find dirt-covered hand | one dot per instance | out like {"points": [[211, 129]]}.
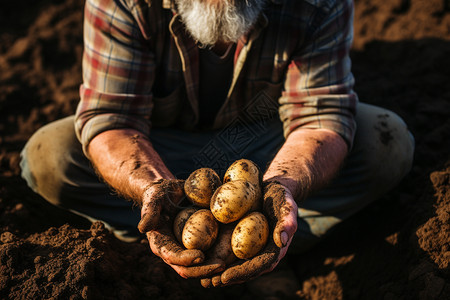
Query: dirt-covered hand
{"points": [[162, 198], [280, 208], [160, 204]]}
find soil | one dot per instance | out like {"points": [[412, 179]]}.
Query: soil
{"points": [[396, 248]]}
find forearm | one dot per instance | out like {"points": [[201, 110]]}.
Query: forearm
{"points": [[308, 159], [127, 161]]}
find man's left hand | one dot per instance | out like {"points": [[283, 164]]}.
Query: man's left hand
{"points": [[280, 208]]}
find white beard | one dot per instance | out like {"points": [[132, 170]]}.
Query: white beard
{"points": [[225, 20]]}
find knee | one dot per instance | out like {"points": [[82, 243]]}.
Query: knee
{"points": [[33, 157], [25, 169], [388, 143], [43, 158], [395, 144]]}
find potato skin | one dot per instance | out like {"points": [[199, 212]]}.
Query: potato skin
{"points": [[222, 247], [201, 185], [200, 230], [232, 200], [245, 169], [180, 220], [250, 235]]}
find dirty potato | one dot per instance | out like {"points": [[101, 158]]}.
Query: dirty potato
{"points": [[200, 230], [222, 247], [250, 235], [232, 200], [245, 169], [180, 221], [201, 185]]}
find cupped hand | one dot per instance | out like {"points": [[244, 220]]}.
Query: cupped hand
{"points": [[280, 208], [160, 204]]}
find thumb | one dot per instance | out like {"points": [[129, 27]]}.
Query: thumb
{"points": [[286, 226], [150, 213], [171, 193]]}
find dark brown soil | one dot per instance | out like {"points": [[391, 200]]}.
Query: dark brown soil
{"points": [[397, 248]]}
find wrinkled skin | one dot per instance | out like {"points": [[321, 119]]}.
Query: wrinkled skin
{"points": [[280, 208], [159, 208]]}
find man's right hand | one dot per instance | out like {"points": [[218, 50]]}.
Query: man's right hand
{"points": [[160, 204]]}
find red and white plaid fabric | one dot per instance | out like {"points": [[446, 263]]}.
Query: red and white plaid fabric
{"points": [[140, 68]]}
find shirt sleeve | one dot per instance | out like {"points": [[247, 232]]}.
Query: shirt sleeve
{"points": [[318, 90], [118, 71]]}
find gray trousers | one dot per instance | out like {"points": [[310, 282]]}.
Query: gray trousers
{"points": [[54, 166]]}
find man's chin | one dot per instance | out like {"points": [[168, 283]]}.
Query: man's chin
{"points": [[209, 23]]}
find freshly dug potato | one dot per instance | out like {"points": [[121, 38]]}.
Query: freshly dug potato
{"points": [[232, 200], [180, 221], [250, 235], [201, 185], [222, 247], [245, 169], [200, 231]]}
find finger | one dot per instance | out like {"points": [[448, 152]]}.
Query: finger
{"points": [[173, 194], [164, 245], [287, 224], [214, 281], [206, 283], [150, 215], [274, 199], [254, 267], [217, 281], [205, 269], [281, 208], [167, 194]]}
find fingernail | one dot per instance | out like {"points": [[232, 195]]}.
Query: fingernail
{"points": [[284, 238]]}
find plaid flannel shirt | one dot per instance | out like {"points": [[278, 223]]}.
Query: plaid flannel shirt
{"points": [[140, 69]]}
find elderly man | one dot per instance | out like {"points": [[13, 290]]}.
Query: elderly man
{"points": [[171, 86]]}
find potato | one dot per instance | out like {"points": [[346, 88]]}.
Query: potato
{"points": [[180, 221], [245, 169], [201, 185], [250, 235], [232, 200], [200, 231], [222, 247]]}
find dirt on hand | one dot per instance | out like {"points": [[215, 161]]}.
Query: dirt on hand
{"points": [[396, 248]]}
